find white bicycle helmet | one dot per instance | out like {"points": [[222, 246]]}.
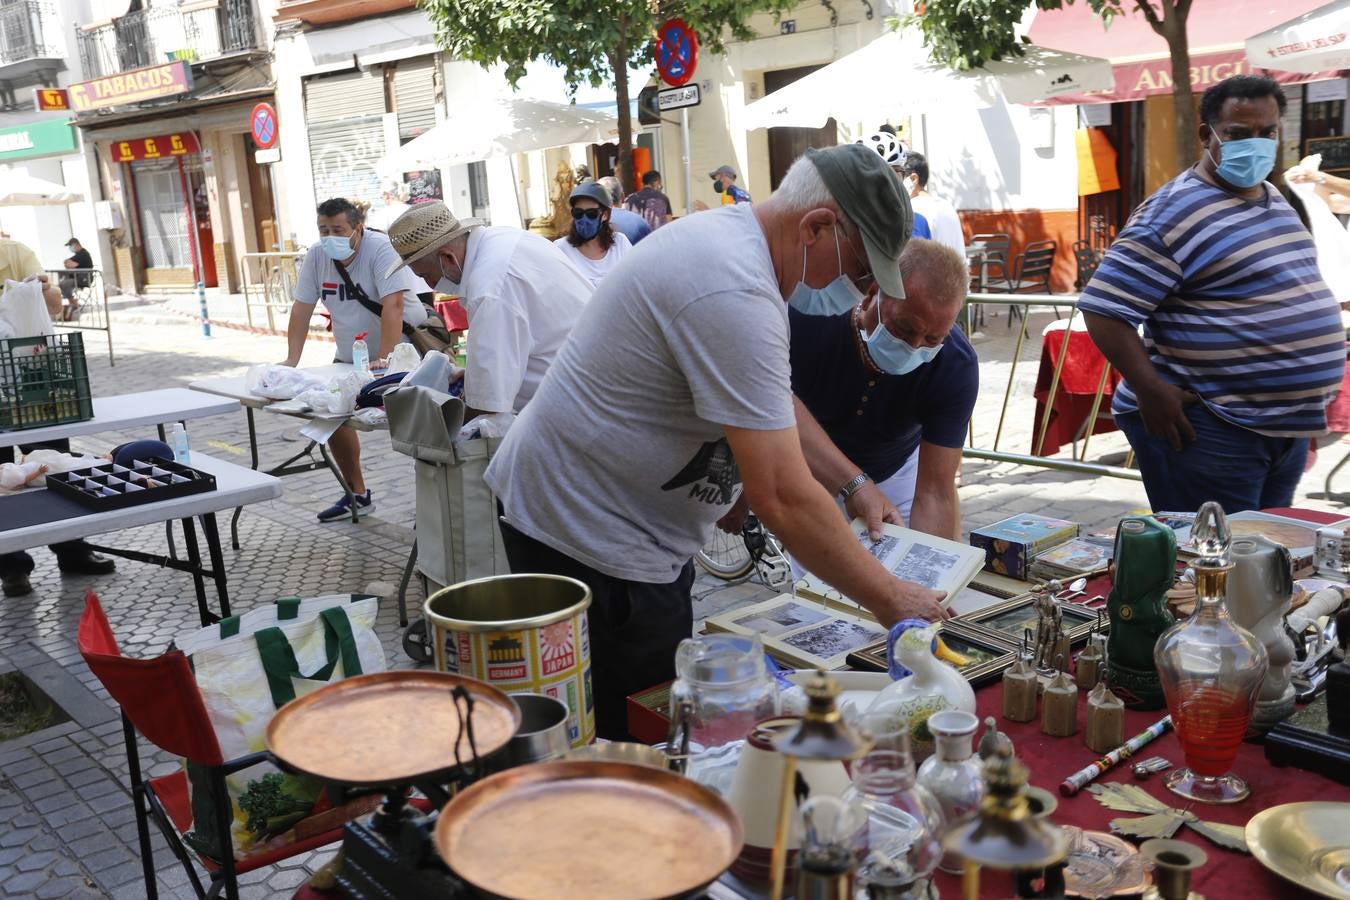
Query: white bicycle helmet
{"points": [[888, 148]]}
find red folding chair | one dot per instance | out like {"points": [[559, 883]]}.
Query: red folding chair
{"points": [[159, 698]]}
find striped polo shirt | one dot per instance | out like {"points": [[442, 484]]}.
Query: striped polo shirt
{"points": [[1231, 303]]}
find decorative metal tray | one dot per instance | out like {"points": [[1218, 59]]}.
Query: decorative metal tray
{"points": [[592, 830], [1305, 843], [391, 728]]}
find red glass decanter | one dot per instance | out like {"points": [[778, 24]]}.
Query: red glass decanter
{"points": [[1211, 671]]}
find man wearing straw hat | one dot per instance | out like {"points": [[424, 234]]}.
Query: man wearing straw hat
{"points": [[674, 393], [521, 295]]}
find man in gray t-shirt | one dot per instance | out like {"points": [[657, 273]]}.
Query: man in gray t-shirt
{"points": [[673, 393]]}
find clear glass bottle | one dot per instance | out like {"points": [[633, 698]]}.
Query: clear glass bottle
{"points": [[1211, 671], [723, 686], [902, 842], [953, 772]]}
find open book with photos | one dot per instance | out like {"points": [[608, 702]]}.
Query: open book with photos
{"points": [[804, 632], [933, 562]]}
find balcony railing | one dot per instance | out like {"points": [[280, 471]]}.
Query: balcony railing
{"points": [[149, 37], [29, 30]]}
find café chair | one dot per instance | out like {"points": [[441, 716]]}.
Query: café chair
{"points": [[1087, 260], [160, 700], [1031, 275]]}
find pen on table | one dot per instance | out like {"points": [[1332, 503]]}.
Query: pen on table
{"points": [[1075, 782]]}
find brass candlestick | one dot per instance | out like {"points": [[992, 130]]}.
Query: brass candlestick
{"points": [[822, 734]]}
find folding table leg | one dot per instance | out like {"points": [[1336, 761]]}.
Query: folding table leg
{"points": [[168, 525], [217, 561], [337, 473], [253, 464], [198, 581]]}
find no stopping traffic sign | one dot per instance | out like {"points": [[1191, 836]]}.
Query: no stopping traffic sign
{"points": [[262, 124], [676, 52]]}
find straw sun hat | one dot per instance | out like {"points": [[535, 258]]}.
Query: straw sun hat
{"points": [[424, 228]]}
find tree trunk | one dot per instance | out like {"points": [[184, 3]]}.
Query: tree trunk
{"points": [[619, 62], [1173, 30]]}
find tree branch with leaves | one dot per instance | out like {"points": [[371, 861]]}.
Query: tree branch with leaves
{"points": [[966, 34], [593, 43]]}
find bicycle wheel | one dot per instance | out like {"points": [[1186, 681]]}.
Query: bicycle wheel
{"points": [[725, 556]]}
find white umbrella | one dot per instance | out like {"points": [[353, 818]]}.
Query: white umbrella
{"points": [[1317, 41], [500, 126], [895, 75], [18, 189]]}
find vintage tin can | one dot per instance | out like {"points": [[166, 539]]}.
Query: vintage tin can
{"points": [[520, 633]]}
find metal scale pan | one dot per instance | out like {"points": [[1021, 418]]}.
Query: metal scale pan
{"points": [[588, 831], [390, 728]]}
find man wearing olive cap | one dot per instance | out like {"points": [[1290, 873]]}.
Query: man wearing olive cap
{"points": [[674, 394]]}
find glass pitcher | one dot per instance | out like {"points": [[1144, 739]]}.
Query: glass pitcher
{"points": [[722, 688]]}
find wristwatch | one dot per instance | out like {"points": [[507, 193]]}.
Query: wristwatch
{"points": [[853, 485]]}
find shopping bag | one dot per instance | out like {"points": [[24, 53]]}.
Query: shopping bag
{"points": [[24, 312], [248, 667]]}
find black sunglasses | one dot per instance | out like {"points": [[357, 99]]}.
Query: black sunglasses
{"points": [[592, 213]]}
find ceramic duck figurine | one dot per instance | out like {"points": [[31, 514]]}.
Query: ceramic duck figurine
{"points": [[931, 687]]}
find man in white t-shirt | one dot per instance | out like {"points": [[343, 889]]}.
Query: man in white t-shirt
{"points": [[943, 222], [521, 295], [348, 269]]}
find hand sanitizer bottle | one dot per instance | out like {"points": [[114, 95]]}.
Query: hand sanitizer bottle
{"points": [[179, 437], [360, 353]]}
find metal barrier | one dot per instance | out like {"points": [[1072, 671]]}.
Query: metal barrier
{"points": [[994, 454], [84, 299], [268, 282]]}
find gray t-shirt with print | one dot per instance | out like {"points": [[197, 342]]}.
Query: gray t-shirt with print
{"points": [[621, 459]]}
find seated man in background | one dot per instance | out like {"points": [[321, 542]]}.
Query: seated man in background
{"points": [[348, 269], [79, 259], [521, 294]]}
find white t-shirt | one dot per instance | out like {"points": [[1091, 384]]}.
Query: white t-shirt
{"points": [[522, 298], [621, 461], [596, 269], [319, 280], [943, 221]]}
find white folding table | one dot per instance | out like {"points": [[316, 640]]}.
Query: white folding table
{"points": [[126, 411], [236, 486], [235, 389]]}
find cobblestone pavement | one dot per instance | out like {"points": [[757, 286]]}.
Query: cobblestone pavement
{"points": [[66, 824]]}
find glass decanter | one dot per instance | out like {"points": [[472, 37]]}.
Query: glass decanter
{"points": [[954, 774], [903, 836], [722, 688], [1211, 671]]}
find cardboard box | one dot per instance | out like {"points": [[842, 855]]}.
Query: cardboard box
{"points": [[1011, 544]]}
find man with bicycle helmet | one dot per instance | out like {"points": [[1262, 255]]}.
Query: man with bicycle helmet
{"points": [[673, 395], [893, 153]]}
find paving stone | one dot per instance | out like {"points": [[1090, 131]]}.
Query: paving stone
{"points": [[105, 859], [59, 887], [26, 883], [127, 873], [46, 789], [33, 777], [31, 862], [109, 801]]}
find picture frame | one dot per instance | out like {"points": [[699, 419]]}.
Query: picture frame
{"points": [[1006, 621], [993, 654]]}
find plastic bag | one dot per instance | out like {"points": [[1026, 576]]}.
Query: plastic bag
{"points": [[404, 358], [278, 382], [1330, 236], [338, 396], [24, 310]]}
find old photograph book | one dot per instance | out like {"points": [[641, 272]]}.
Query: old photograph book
{"points": [[803, 632], [933, 562]]}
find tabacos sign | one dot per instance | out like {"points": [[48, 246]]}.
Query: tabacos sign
{"points": [[132, 87], [164, 146]]}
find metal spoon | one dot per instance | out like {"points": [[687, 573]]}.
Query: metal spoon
{"points": [[1076, 589]]}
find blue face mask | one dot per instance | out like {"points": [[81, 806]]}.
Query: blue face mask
{"points": [[1245, 163], [892, 355], [587, 228], [336, 247], [835, 298]]}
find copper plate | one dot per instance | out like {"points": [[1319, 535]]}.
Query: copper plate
{"points": [[587, 829], [387, 728], [1306, 843]]}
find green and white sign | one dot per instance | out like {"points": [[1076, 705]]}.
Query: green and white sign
{"points": [[49, 137]]}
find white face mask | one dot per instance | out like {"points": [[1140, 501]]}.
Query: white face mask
{"points": [[835, 298]]}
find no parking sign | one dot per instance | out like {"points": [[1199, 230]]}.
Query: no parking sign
{"points": [[676, 52], [262, 124]]}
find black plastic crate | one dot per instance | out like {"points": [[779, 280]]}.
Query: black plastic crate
{"points": [[112, 486], [43, 381]]}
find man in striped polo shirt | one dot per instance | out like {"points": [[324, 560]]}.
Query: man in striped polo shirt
{"points": [[1242, 344]]}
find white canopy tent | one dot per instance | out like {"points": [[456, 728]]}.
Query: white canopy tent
{"points": [[1318, 41], [20, 189], [500, 126], [895, 74]]}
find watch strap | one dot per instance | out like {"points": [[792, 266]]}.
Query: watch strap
{"points": [[853, 485]]}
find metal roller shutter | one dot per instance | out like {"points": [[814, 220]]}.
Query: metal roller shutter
{"points": [[415, 96], [344, 114]]}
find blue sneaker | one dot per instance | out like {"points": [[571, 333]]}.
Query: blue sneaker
{"points": [[342, 509]]}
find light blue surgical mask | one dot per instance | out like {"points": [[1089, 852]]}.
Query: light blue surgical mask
{"points": [[892, 355], [1245, 163], [835, 298], [336, 247]]}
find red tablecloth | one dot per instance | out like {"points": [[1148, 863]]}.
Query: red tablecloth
{"points": [[1228, 875], [1078, 382]]}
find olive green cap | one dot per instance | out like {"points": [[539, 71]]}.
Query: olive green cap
{"points": [[871, 195]]}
